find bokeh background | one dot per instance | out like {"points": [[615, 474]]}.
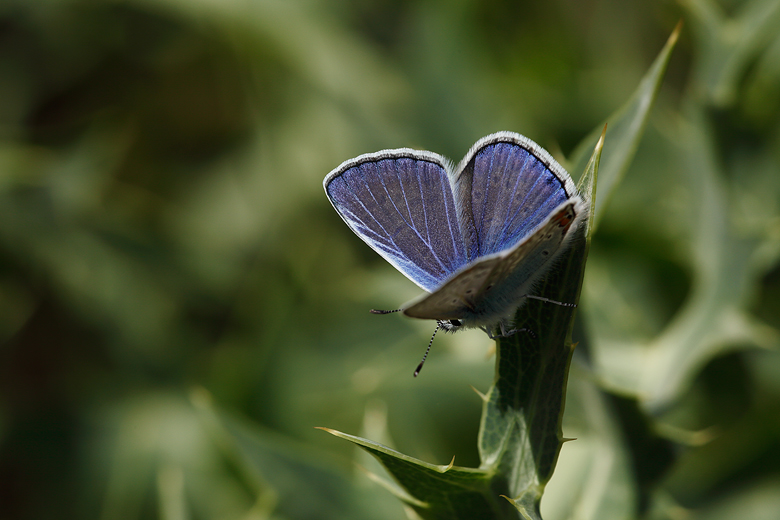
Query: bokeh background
{"points": [[180, 306]]}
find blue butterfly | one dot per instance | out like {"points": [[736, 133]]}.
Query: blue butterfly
{"points": [[475, 236]]}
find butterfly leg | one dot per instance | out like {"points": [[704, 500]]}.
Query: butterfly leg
{"points": [[489, 333], [548, 300], [512, 332], [506, 333], [503, 333]]}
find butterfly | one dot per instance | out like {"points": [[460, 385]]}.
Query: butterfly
{"points": [[475, 237]]}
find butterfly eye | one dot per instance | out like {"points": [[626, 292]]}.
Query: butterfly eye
{"points": [[455, 323]]}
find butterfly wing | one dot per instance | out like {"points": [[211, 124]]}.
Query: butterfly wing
{"points": [[507, 186], [489, 289], [401, 203], [522, 265], [457, 297]]}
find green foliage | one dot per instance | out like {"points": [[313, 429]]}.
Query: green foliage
{"points": [[163, 228]]}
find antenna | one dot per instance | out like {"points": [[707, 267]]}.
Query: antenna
{"points": [[379, 311], [425, 356]]}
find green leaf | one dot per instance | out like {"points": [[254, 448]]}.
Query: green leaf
{"points": [[438, 492], [624, 129]]}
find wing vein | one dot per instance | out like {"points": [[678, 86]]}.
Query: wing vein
{"points": [[403, 219], [508, 220], [496, 236], [422, 201], [525, 198]]}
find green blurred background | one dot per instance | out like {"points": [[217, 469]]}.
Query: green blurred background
{"points": [[180, 306]]}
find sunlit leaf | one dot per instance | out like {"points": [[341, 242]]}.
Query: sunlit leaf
{"points": [[624, 130]]}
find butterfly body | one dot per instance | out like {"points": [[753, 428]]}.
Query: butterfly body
{"points": [[475, 237]]}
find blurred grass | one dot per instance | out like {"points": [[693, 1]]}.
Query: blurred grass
{"points": [[162, 227]]}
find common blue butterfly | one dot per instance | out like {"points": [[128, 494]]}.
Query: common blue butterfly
{"points": [[475, 236]]}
